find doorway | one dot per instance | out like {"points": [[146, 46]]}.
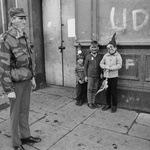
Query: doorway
{"points": [[60, 53]]}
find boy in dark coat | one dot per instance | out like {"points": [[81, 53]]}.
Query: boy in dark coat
{"points": [[92, 72]]}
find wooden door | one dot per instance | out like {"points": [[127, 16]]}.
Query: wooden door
{"points": [[58, 42]]}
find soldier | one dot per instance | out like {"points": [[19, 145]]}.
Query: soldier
{"points": [[17, 76]]}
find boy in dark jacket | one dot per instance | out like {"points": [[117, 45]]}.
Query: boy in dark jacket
{"points": [[92, 72]]}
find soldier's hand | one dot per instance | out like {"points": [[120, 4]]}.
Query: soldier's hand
{"points": [[33, 83], [11, 95]]}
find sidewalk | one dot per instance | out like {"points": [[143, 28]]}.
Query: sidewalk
{"points": [[64, 126]]}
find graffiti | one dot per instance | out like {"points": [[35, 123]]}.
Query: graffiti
{"points": [[124, 23], [129, 62], [135, 14]]}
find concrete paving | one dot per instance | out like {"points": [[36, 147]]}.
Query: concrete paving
{"points": [[64, 126]]}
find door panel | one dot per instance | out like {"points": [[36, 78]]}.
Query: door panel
{"points": [[52, 40], [59, 66], [68, 12]]}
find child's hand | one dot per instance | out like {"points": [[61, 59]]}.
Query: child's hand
{"points": [[107, 67], [80, 81], [106, 84], [86, 79], [101, 76]]}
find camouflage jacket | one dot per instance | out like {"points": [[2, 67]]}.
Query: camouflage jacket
{"points": [[14, 54]]}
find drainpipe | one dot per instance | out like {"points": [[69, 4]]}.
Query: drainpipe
{"points": [[2, 12], [16, 2], [62, 41]]}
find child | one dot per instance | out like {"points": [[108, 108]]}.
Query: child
{"points": [[81, 84], [111, 63], [92, 72]]}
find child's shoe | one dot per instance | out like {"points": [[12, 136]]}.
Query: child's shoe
{"points": [[77, 103], [113, 109], [97, 105], [90, 105], [106, 107], [80, 103]]}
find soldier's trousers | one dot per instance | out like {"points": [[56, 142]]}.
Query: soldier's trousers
{"points": [[19, 112]]}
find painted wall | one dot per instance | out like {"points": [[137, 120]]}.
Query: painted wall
{"points": [[131, 21]]}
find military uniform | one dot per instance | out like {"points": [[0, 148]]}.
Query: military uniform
{"points": [[17, 67]]}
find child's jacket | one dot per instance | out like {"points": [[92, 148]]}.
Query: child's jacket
{"points": [[114, 62], [79, 72], [91, 66]]}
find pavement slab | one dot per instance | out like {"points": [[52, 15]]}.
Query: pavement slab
{"points": [[59, 103], [68, 116], [45, 98], [144, 119], [5, 143], [39, 108], [121, 121], [5, 128], [48, 104], [87, 137], [1, 120], [49, 135], [64, 92], [34, 117], [140, 131]]}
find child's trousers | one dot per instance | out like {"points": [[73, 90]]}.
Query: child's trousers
{"points": [[81, 92], [93, 84], [111, 93]]}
